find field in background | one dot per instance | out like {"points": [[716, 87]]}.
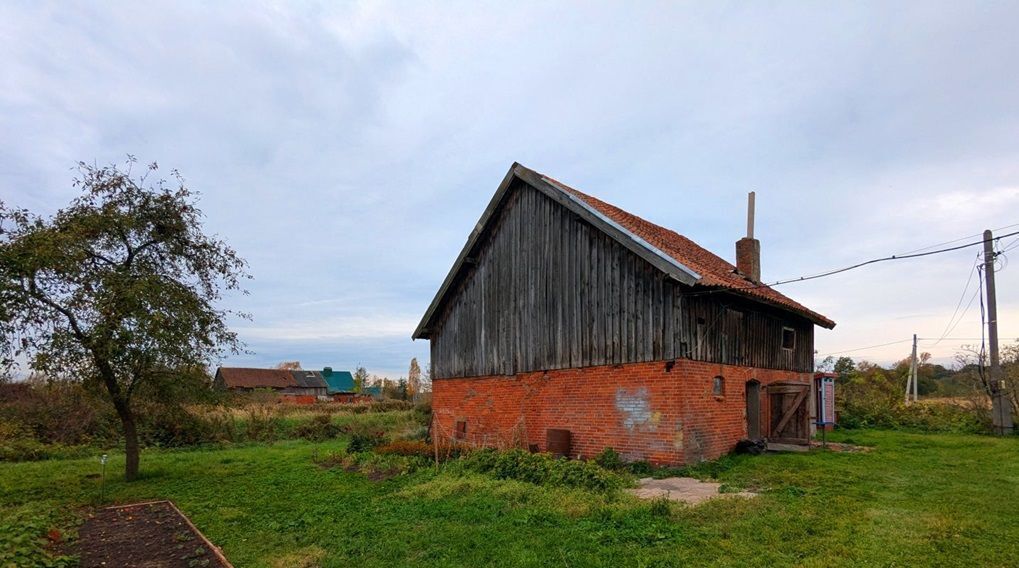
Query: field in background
{"points": [[935, 499]]}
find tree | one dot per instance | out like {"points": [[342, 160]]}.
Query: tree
{"points": [[118, 289], [414, 379], [360, 379], [844, 366], [289, 365]]}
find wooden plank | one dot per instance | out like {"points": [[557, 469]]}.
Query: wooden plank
{"points": [[793, 409]]}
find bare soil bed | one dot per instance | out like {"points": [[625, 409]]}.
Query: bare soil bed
{"points": [[145, 535]]}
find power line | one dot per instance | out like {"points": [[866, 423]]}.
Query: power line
{"points": [[864, 348], [851, 267], [1010, 246], [950, 326], [961, 239], [967, 338], [887, 258], [908, 340]]}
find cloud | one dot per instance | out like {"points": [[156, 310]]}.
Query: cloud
{"points": [[334, 329], [347, 150]]}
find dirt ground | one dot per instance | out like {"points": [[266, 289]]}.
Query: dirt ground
{"points": [[146, 535]]}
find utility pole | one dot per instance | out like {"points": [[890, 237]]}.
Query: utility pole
{"points": [[1001, 408], [911, 380]]}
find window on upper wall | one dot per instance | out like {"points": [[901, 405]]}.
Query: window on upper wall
{"points": [[718, 386], [788, 338], [461, 430]]}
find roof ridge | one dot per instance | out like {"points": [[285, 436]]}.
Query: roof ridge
{"points": [[723, 275]]}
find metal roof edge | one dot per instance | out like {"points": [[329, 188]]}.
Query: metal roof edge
{"points": [[636, 238]]}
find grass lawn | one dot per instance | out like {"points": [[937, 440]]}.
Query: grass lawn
{"points": [[948, 500]]}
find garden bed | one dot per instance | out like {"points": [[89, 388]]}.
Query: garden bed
{"points": [[145, 535]]}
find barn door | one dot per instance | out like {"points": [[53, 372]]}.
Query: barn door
{"points": [[790, 417]]}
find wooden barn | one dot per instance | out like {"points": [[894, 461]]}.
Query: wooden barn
{"points": [[284, 381], [569, 324]]}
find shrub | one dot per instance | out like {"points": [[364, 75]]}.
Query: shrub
{"points": [[365, 440], [23, 449], [541, 469], [320, 427], [391, 405], [609, 459], [60, 412], [172, 426], [932, 417], [407, 448], [262, 425], [641, 468]]}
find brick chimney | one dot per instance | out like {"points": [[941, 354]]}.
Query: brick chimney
{"points": [[748, 249]]}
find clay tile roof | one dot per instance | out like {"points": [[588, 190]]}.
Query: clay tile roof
{"points": [[238, 377], [714, 271]]}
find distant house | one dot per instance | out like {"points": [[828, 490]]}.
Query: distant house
{"points": [[340, 386], [286, 382], [338, 382]]}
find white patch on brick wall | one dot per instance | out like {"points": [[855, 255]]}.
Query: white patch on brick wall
{"points": [[636, 410]]}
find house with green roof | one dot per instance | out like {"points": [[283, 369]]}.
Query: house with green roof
{"points": [[338, 382]]}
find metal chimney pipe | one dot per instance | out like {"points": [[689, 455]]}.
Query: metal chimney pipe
{"points": [[750, 215], [748, 249]]}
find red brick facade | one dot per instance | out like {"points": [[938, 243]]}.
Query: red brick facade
{"points": [[642, 410]]}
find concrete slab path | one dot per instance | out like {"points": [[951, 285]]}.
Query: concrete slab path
{"points": [[682, 489]]}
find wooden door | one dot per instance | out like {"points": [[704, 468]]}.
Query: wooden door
{"points": [[753, 395], [790, 417]]}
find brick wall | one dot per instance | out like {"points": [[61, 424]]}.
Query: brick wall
{"points": [[642, 410]]}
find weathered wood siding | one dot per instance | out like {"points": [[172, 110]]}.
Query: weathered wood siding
{"points": [[546, 290]]}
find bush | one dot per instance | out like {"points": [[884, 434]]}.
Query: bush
{"points": [[391, 405], [170, 426], [24, 449], [320, 427], [58, 412], [365, 440], [930, 417], [407, 448], [541, 469], [262, 425], [609, 459], [641, 468]]}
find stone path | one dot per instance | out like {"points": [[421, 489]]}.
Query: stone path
{"points": [[684, 489]]}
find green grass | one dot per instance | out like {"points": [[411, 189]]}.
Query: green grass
{"points": [[942, 500]]}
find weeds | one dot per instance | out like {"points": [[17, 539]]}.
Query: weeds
{"points": [[542, 469]]}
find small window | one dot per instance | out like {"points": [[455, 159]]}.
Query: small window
{"points": [[461, 430], [718, 386], [788, 338]]}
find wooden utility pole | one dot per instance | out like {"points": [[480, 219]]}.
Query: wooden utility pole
{"points": [[1001, 408], [911, 380]]}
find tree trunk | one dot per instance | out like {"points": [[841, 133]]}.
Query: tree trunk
{"points": [[131, 450]]}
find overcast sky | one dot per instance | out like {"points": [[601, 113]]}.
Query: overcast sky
{"points": [[347, 150]]}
